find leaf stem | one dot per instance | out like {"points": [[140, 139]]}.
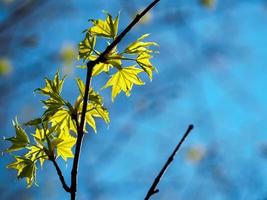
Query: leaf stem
{"points": [[132, 59], [43, 156]]}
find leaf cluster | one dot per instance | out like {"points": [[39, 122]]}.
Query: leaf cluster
{"points": [[54, 134], [139, 53]]}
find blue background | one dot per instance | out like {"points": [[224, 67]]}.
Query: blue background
{"points": [[212, 73]]}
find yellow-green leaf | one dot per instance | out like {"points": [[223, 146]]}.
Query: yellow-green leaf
{"points": [[21, 139], [113, 59], [65, 145], [62, 118], [55, 102], [138, 47], [34, 122], [81, 86], [96, 110], [52, 86], [91, 121], [105, 28], [37, 153], [26, 169], [143, 60], [18, 164], [95, 106], [123, 80], [93, 96], [86, 47]]}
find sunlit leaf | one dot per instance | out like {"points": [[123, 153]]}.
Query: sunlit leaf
{"points": [[26, 169], [39, 137], [34, 122], [138, 46], [52, 86], [96, 110], [93, 96], [55, 102], [63, 119], [21, 139], [81, 86], [143, 60], [95, 106], [37, 153], [123, 80], [105, 28], [113, 59], [64, 146], [86, 47], [55, 142]]}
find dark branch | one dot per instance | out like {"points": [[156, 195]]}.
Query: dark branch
{"points": [[61, 177], [90, 66], [153, 189], [80, 127]]}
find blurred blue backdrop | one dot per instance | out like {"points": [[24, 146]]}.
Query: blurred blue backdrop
{"points": [[212, 73]]}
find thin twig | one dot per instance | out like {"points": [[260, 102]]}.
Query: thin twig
{"points": [[61, 177], [90, 65], [153, 189], [51, 157]]}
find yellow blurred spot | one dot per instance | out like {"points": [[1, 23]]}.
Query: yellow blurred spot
{"points": [[195, 154], [68, 53], [5, 66], [208, 3], [7, 1], [147, 18]]}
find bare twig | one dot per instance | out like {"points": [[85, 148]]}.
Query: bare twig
{"points": [[90, 65], [61, 177], [153, 189]]}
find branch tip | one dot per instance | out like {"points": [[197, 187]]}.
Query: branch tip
{"points": [[191, 127], [152, 190]]}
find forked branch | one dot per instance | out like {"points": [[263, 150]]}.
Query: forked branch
{"points": [[90, 66]]}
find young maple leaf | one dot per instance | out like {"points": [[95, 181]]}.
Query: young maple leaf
{"points": [[107, 28], [64, 146], [123, 80], [20, 141]]}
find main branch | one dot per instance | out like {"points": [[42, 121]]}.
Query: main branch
{"points": [[90, 66], [153, 189]]}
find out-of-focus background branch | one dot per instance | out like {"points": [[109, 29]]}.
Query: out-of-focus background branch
{"points": [[212, 72]]}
